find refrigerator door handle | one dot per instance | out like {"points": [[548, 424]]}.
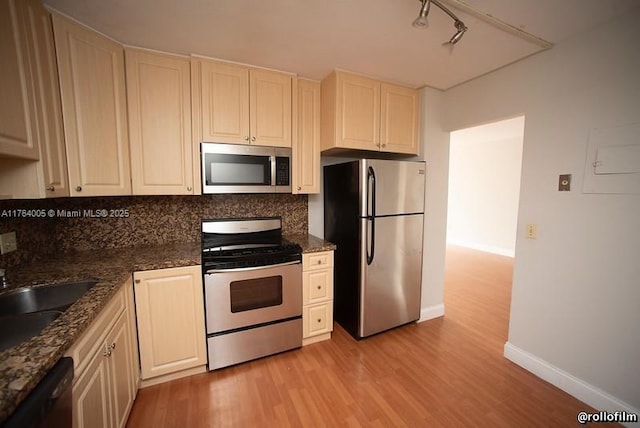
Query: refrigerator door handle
{"points": [[371, 243]]}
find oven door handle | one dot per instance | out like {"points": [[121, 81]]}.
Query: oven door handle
{"points": [[250, 268]]}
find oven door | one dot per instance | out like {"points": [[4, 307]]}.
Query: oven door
{"points": [[239, 298]]}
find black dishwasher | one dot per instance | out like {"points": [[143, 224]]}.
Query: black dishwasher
{"points": [[49, 404]]}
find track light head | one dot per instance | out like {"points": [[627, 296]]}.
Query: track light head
{"points": [[421, 21]]}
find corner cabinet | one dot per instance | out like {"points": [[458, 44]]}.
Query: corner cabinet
{"points": [[306, 144], [105, 364], [92, 83], [170, 318], [242, 105], [365, 114], [159, 107], [317, 296]]}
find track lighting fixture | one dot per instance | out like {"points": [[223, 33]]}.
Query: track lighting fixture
{"points": [[421, 20]]}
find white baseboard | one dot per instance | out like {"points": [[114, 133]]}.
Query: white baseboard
{"points": [[583, 391], [509, 252], [431, 312]]}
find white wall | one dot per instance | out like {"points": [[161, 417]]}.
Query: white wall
{"points": [[484, 186], [575, 312]]}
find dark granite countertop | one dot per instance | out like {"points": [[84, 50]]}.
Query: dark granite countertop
{"points": [[23, 366]]}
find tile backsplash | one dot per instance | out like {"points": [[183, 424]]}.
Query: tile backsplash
{"points": [[70, 224]]}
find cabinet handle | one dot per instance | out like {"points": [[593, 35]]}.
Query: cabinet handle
{"points": [[51, 188], [79, 189], [253, 138], [189, 188]]}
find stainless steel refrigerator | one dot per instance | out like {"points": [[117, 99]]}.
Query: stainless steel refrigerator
{"points": [[374, 213]]}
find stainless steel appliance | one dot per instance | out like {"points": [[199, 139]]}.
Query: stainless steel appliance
{"points": [[252, 288], [236, 168], [373, 212]]}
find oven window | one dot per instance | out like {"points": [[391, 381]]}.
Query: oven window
{"points": [[256, 293], [225, 169]]}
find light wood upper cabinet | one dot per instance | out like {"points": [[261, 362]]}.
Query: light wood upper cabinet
{"points": [[241, 105], [306, 145], [92, 82], [18, 127], [170, 317], [399, 112], [366, 114], [270, 108], [159, 107], [53, 170]]}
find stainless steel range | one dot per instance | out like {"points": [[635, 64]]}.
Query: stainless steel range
{"points": [[253, 290]]}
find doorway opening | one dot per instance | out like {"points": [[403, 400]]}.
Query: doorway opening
{"points": [[485, 164]]}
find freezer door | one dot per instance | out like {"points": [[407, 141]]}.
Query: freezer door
{"points": [[399, 187], [390, 284]]}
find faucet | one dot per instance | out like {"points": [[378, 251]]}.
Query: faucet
{"points": [[3, 279]]}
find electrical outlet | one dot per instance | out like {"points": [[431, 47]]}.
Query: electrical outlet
{"points": [[8, 242], [532, 231]]}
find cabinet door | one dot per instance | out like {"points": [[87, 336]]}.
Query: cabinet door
{"points": [[317, 286], [270, 108], [92, 84], [118, 344], [159, 106], [225, 102], [317, 319], [91, 395], [357, 112], [53, 157], [306, 145], [399, 116], [18, 130], [170, 315]]}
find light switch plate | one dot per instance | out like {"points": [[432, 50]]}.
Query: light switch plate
{"points": [[8, 242]]}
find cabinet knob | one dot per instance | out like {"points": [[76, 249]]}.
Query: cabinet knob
{"points": [[384, 145], [253, 138], [137, 281], [319, 262], [79, 189], [246, 138], [189, 188], [319, 319], [299, 188], [319, 287], [51, 188], [113, 346]]}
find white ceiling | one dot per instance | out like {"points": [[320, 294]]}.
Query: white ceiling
{"points": [[373, 37]]}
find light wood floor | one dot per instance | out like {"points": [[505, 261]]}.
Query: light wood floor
{"points": [[447, 372]]}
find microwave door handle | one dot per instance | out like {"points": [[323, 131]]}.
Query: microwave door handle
{"points": [[273, 170]]}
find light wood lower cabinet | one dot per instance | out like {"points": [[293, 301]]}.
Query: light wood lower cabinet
{"points": [[170, 316], [317, 296], [106, 374]]}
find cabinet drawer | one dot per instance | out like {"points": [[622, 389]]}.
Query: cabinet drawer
{"points": [[91, 339], [313, 261], [317, 319], [317, 286]]}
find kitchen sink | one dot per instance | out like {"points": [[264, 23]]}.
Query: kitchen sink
{"points": [[56, 297], [26, 311], [15, 329]]}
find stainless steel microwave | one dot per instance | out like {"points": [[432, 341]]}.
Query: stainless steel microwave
{"points": [[235, 168]]}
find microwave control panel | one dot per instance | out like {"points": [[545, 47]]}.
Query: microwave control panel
{"points": [[283, 171]]}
